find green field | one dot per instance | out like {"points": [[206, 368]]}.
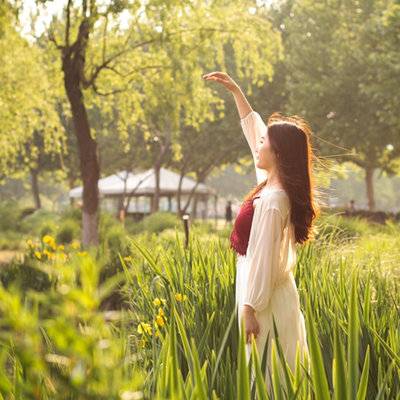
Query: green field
{"points": [[157, 321]]}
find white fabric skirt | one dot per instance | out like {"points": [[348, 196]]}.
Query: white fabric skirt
{"points": [[285, 306]]}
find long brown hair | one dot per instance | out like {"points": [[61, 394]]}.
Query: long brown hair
{"points": [[290, 138]]}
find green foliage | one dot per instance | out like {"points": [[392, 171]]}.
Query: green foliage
{"points": [[68, 231], [154, 223], [10, 240], [116, 239], [72, 213], [180, 328], [28, 102], [339, 57], [24, 275], [10, 214], [331, 310], [40, 222], [69, 349], [342, 228]]}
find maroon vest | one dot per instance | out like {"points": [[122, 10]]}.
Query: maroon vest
{"points": [[239, 238]]}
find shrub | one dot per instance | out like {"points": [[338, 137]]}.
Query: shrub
{"points": [[134, 227], [106, 222], [115, 242], [68, 231], [157, 222], [10, 215], [117, 239], [72, 213], [342, 228], [41, 222], [24, 275]]}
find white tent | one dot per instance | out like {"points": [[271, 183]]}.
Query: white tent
{"points": [[141, 187]]}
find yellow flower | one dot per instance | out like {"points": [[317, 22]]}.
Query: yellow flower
{"points": [[128, 258], [61, 247], [157, 301], [160, 311], [75, 245], [160, 320], [47, 253], [48, 240], [29, 243], [82, 253], [38, 255], [144, 327], [180, 297]]}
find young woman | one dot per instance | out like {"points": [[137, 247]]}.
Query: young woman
{"points": [[275, 215]]}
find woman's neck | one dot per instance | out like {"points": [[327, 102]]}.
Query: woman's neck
{"points": [[273, 180]]}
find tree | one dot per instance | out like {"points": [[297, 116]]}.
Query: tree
{"points": [[337, 62], [120, 58], [27, 103], [216, 144]]}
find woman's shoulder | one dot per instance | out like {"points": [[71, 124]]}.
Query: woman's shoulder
{"points": [[274, 198]]}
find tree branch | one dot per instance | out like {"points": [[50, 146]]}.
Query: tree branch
{"points": [[68, 26]]}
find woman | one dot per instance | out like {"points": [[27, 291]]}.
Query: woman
{"points": [[275, 215]]}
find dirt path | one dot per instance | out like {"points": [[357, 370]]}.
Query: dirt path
{"points": [[7, 255]]}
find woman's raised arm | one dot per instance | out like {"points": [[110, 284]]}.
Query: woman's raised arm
{"points": [[243, 106], [252, 124]]}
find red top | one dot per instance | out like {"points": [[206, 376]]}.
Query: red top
{"points": [[241, 229]]}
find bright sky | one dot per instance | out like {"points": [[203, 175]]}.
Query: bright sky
{"points": [[46, 12]]}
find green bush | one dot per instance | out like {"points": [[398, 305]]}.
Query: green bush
{"points": [[10, 215], [106, 222], [41, 222], [115, 243], [24, 275], [68, 231], [116, 239], [157, 222], [134, 227], [72, 213], [342, 228], [48, 228]]}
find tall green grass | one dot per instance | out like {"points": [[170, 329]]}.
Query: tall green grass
{"points": [[351, 309], [177, 335]]}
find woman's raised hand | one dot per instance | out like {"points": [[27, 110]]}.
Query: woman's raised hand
{"points": [[223, 78], [242, 104]]}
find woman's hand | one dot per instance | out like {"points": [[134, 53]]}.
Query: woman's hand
{"points": [[251, 325], [223, 78]]}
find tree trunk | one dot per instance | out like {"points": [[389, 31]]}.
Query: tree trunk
{"points": [[194, 207], [369, 174], [155, 205], [179, 211], [121, 208], [73, 66], [35, 188], [87, 150]]}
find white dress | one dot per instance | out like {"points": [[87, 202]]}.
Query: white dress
{"points": [[264, 276]]}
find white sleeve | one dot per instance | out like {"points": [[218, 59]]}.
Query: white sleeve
{"points": [[253, 128], [263, 258]]}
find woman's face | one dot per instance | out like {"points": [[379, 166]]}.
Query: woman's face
{"points": [[265, 156]]}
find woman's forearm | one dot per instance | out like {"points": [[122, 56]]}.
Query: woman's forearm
{"points": [[242, 104]]}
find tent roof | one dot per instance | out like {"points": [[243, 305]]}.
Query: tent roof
{"points": [[144, 183]]}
